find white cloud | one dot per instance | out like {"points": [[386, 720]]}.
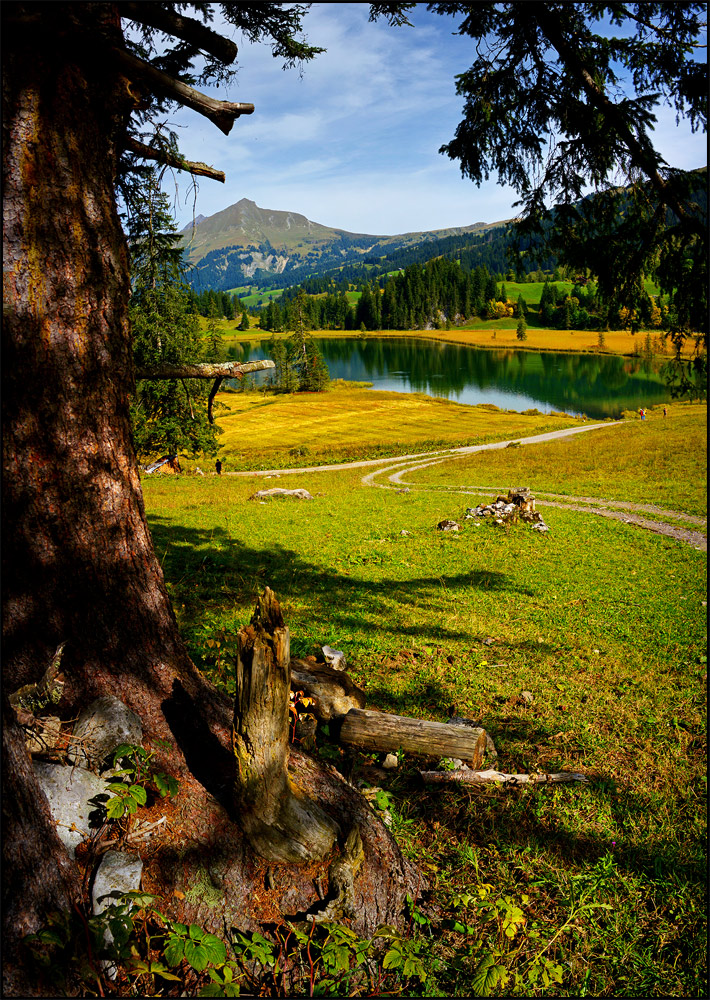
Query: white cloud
{"points": [[353, 142]]}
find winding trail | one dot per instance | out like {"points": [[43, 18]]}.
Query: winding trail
{"points": [[395, 469]]}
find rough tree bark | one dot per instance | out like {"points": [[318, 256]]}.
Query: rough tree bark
{"points": [[78, 564]]}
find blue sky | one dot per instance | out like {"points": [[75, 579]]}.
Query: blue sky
{"points": [[353, 142]]}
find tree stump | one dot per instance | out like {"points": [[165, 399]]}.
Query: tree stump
{"points": [[281, 823]]}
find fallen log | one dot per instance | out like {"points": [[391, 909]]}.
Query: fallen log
{"points": [[467, 777], [381, 731]]}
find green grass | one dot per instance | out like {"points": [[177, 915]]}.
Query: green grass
{"points": [[605, 625]]}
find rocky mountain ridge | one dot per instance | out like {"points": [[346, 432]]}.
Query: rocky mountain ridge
{"points": [[245, 243]]}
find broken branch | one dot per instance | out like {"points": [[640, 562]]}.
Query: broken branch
{"points": [[226, 369], [220, 113], [187, 28], [162, 156]]}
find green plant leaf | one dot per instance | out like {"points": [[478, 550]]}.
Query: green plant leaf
{"points": [[138, 793], [196, 956], [486, 976], [115, 808], [174, 950], [212, 990], [393, 959]]}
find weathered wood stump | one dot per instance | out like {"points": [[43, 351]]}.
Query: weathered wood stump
{"points": [[280, 821]]}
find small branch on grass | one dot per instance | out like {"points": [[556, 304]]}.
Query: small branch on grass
{"points": [[468, 777]]}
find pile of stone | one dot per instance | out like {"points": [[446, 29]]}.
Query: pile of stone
{"points": [[518, 505]]}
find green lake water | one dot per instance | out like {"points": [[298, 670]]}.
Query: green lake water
{"points": [[595, 385]]}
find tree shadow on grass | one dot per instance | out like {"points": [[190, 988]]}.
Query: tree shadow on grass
{"points": [[208, 567]]}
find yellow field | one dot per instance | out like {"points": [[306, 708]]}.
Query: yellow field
{"points": [[355, 423]]}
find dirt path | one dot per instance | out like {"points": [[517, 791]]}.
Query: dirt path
{"points": [[440, 454], [396, 468], [619, 510]]}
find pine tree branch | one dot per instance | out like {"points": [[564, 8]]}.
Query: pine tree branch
{"points": [[189, 29], [641, 157], [226, 369], [163, 156], [220, 113]]}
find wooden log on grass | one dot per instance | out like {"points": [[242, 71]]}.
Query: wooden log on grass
{"points": [[280, 821], [381, 731], [466, 777]]}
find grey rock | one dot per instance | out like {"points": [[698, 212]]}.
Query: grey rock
{"points": [[278, 492], [102, 727], [448, 526], [69, 791], [118, 872], [334, 658]]}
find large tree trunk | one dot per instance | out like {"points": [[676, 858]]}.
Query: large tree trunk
{"points": [[78, 561]]}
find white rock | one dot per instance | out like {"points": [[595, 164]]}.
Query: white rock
{"points": [[118, 872], [334, 658], [69, 791], [390, 762]]}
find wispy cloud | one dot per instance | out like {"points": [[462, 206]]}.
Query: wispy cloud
{"points": [[353, 142]]}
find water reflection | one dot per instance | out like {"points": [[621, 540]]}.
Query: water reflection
{"points": [[598, 385]]}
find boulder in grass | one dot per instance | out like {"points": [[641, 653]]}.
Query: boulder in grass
{"points": [[448, 526], [278, 493]]}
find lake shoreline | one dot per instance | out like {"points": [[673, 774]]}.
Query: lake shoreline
{"points": [[617, 342]]}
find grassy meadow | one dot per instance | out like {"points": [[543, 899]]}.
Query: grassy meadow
{"points": [[571, 890]]}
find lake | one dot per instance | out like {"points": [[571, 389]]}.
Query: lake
{"points": [[596, 385]]}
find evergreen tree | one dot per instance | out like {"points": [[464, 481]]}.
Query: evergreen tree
{"points": [[522, 330], [304, 358], [214, 349], [168, 417]]}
